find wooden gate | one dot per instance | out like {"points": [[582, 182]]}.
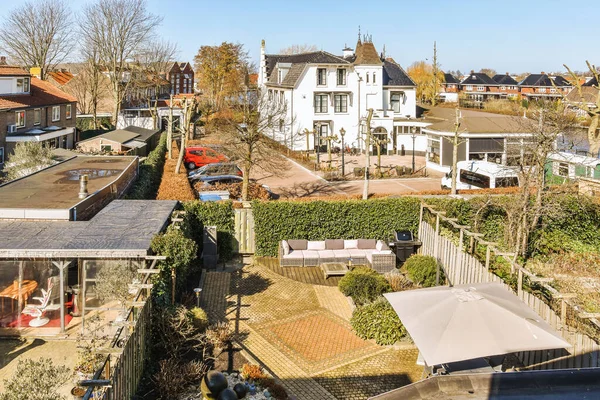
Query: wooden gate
{"points": [[243, 231]]}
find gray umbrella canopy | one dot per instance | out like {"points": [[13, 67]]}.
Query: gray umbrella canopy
{"points": [[458, 323]]}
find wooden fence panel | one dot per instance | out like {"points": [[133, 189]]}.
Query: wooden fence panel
{"points": [[462, 269], [244, 242]]}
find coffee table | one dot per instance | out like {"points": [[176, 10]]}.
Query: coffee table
{"points": [[334, 269]]}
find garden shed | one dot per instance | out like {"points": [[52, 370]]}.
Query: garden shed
{"points": [[48, 269]]}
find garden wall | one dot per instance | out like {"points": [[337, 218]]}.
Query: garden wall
{"points": [[318, 220]]}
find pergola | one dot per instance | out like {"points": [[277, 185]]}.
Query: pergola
{"points": [[123, 230]]}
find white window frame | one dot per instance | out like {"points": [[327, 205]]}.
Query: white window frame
{"points": [[106, 148], [68, 112], [17, 118], [481, 88], [55, 113], [37, 116], [324, 106], [343, 105], [392, 101], [368, 78], [322, 82], [542, 90], [341, 73], [469, 88], [374, 78]]}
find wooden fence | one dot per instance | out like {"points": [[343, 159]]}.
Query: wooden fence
{"points": [[244, 242], [462, 268]]}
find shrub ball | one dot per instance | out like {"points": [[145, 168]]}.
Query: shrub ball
{"points": [[240, 390], [227, 394], [213, 383]]}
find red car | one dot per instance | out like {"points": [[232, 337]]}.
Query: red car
{"points": [[198, 156]]}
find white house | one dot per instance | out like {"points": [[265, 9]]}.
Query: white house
{"points": [[325, 93]]}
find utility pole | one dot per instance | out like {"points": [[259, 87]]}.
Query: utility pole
{"points": [[435, 75], [455, 144], [367, 156], [170, 130]]}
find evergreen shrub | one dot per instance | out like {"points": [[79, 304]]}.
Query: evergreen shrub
{"points": [[422, 270], [364, 285], [378, 321]]}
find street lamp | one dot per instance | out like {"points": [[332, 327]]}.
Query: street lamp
{"points": [[198, 291], [342, 133], [414, 136], [318, 142]]}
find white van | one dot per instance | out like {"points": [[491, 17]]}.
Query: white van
{"points": [[481, 175]]}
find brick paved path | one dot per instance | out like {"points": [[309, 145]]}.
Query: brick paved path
{"points": [[301, 334]]}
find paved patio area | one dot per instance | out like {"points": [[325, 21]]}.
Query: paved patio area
{"points": [[301, 333]]}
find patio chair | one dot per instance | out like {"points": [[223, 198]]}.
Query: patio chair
{"points": [[38, 310]]}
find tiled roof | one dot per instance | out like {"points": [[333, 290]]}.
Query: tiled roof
{"points": [[8, 70], [42, 94], [591, 82], [543, 80], [315, 57], [589, 94], [394, 75], [505, 79], [449, 78], [367, 55], [478, 78], [291, 78], [61, 77]]}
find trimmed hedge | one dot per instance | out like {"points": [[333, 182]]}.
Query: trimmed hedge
{"points": [[150, 173], [378, 321], [364, 285], [318, 220], [422, 269], [198, 214]]}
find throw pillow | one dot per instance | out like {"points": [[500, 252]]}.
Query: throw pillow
{"points": [[334, 244], [316, 245], [286, 247], [350, 244], [379, 245], [367, 244]]}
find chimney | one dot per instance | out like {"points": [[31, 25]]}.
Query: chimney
{"points": [[83, 186], [507, 74], [3, 60], [543, 73], [472, 72], [36, 71], [262, 67], [347, 52]]}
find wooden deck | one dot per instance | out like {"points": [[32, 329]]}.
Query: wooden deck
{"points": [[311, 275]]}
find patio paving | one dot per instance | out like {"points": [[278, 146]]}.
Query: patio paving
{"points": [[301, 333]]}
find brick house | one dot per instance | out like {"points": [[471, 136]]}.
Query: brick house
{"points": [[450, 88], [542, 86], [508, 85], [33, 110], [479, 87], [181, 76]]}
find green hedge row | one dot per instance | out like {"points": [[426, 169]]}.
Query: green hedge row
{"points": [[318, 220], [198, 214], [151, 169]]}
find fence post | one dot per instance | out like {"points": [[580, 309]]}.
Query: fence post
{"points": [[420, 219], [487, 258], [520, 283], [436, 248]]}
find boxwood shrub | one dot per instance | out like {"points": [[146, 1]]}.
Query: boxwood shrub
{"points": [[150, 173], [422, 269], [364, 285], [318, 220], [198, 214], [378, 321]]}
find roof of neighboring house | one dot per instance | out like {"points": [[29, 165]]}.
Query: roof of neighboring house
{"points": [[42, 94], [315, 57], [61, 77], [475, 122], [505, 79], [589, 94], [449, 78], [544, 80], [574, 158], [9, 70], [366, 54], [479, 78], [394, 74], [126, 135], [143, 133], [253, 79], [591, 82]]}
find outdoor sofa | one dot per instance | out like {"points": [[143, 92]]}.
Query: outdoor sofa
{"points": [[307, 253]]}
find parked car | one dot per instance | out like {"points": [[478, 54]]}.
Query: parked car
{"points": [[208, 181], [481, 175], [215, 169], [197, 156]]}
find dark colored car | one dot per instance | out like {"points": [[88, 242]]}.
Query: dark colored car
{"points": [[212, 180], [215, 169]]}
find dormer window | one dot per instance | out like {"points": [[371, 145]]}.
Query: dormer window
{"points": [[321, 76], [22, 85]]}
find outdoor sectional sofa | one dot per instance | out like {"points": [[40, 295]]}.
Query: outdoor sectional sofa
{"points": [[306, 253]]}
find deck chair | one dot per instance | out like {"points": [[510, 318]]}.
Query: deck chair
{"points": [[38, 310]]}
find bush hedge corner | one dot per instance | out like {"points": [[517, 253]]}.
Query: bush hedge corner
{"points": [[378, 321], [364, 285], [150, 173], [422, 270]]}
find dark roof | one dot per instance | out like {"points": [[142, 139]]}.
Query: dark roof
{"points": [[394, 75], [123, 229], [544, 80], [478, 78], [315, 57], [449, 78], [505, 79], [591, 82], [144, 134]]}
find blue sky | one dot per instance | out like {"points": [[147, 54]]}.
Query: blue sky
{"points": [[508, 36]]}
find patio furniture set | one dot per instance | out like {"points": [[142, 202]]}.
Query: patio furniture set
{"points": [[330, 253]]}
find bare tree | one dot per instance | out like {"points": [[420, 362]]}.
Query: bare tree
{"points": [[119, 29], [592, 109], [38, 34], [456, 142], [247, 140], [298, 49]]}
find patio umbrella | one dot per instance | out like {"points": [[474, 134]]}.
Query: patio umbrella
{"points": [[463, 322]]}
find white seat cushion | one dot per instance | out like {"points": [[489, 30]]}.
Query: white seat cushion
{"points": [[373, 253], [295, 255], [357, 253], [326, 254], [310, 254], [341, 253]]}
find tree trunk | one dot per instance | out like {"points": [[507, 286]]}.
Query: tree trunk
{"points": [[170, 130], [594, 135], [455, 144], [365, 195], [246, 177], [378, 159]]}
